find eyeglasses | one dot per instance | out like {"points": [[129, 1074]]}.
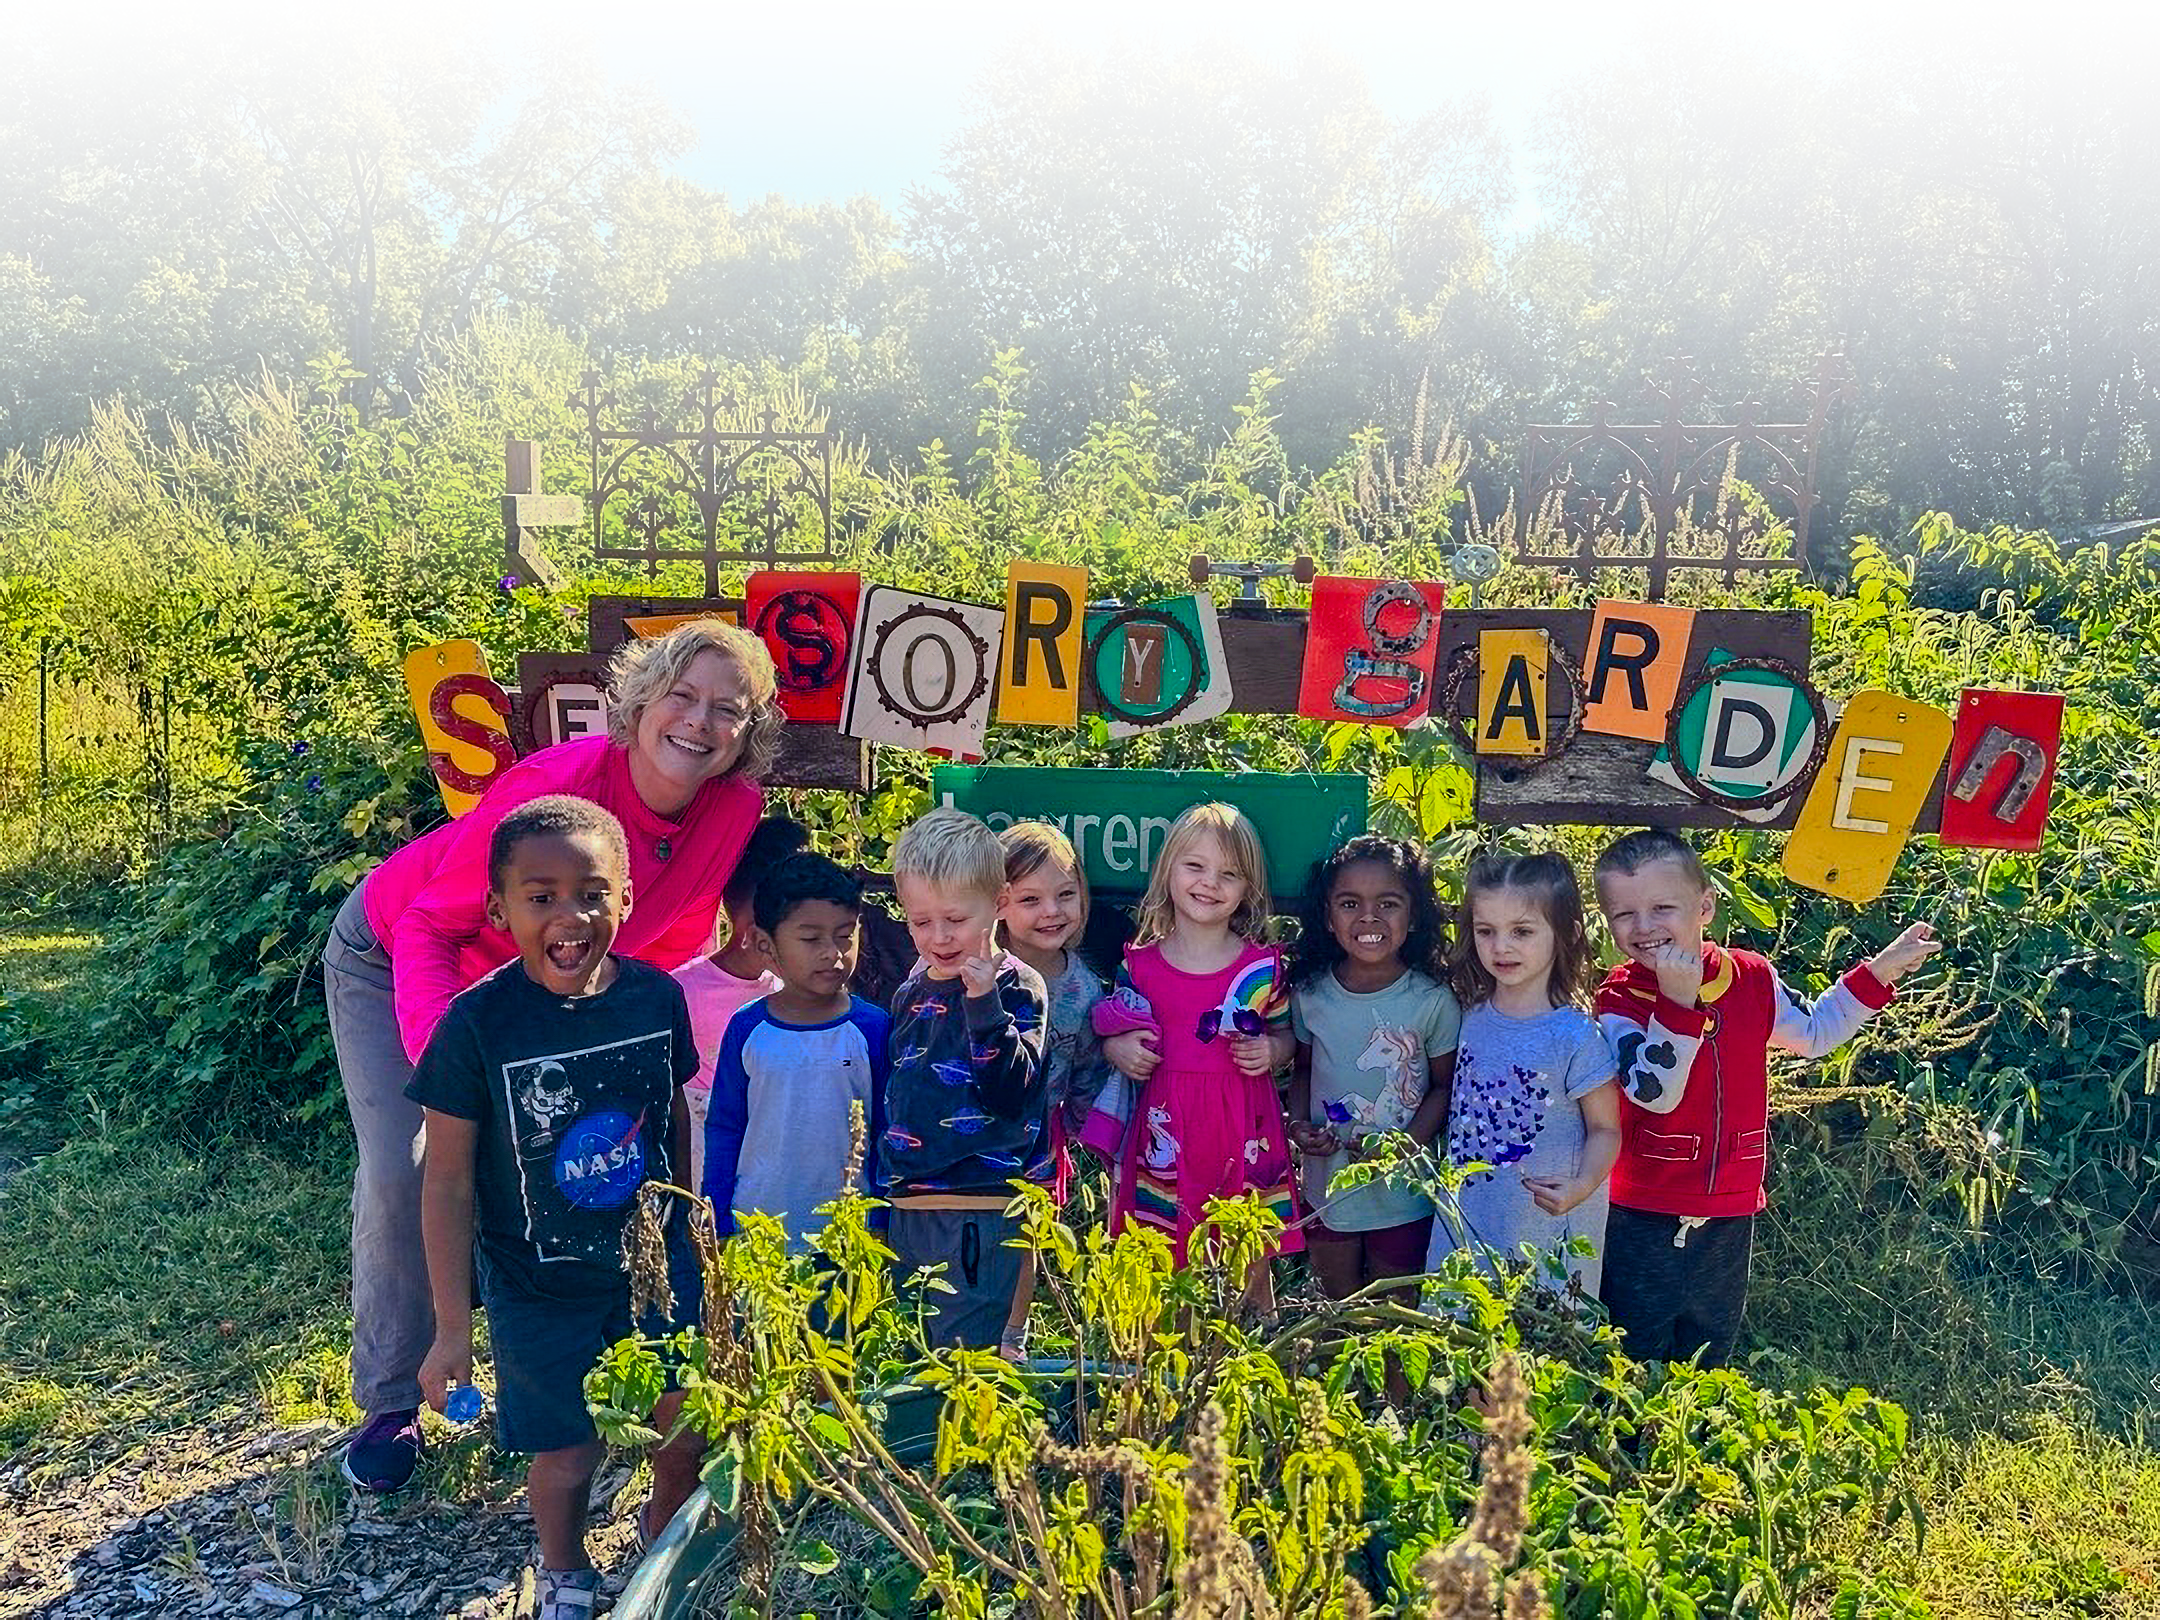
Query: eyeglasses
{"points": [[1243, 1021]]}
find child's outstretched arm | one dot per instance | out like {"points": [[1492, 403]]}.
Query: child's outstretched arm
{"points": [[446, 1234], [1815, 1029]]}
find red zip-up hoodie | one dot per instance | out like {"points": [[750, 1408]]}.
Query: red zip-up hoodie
{"points": [[1695, 1081]]}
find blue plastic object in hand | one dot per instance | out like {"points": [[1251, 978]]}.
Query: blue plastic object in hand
{"points": [[464, 1404]]}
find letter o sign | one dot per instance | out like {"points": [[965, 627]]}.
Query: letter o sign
{"points": [[927, 666]]}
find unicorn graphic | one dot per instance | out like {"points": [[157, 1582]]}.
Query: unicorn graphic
{"points": [[1396, 1054], [1161, 1151]]}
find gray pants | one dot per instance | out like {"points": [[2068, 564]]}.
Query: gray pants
{"points": [[968, 1246], [393, 1314]]}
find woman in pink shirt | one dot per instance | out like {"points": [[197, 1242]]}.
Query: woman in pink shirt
{"points": [[692, 727]]}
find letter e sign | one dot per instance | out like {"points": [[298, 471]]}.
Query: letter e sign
{"points": [[1871, 788]]}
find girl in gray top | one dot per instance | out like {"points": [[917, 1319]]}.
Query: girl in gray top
{"points": [[1534, 1098]]}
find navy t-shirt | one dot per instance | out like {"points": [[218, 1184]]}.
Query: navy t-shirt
{"points": [[574, 1096]]}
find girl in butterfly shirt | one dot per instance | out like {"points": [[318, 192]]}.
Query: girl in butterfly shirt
{"points": [[1199, 1020]]}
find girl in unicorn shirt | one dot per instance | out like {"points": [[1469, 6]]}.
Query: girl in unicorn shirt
{"points": [[1200, 1022], [1376, 1030]]}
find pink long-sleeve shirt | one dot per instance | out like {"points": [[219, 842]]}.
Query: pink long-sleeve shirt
{"points": [[427, 904]]}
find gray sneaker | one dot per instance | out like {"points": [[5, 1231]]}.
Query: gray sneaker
{"points": [[568, 1594]]}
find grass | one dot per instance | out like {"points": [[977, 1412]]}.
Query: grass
{"points": [[141, 1283]]}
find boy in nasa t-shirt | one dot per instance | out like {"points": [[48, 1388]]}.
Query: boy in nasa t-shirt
{"points": [[553, 1093]]}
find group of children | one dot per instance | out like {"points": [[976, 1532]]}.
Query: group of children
{"points": [[1631, 1114]]}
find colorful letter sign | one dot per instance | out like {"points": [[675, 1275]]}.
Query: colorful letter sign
{"points": [[1511, 692], [923, 670], [1369, 650], [1045, 626], [807, 622], [1158, 665], [1883, 759], [2002, 769], [464, 719], [1631, 670], [1746, 735]]}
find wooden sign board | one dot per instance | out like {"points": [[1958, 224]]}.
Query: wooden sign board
{"points": [[1601, 780], [544, 511]]}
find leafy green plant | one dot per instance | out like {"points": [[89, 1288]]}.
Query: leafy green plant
{"points": [[1183, 1445]]}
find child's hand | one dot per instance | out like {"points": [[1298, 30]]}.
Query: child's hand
{"points": [[1556, 1195], [1316, 1141], [1679, 974], [449, 1361], [1133, 1054], [978, 974], [1253, 1054], [1904, 953]]}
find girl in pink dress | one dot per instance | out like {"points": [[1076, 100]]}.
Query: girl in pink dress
{"points": [[1200, 1021]]}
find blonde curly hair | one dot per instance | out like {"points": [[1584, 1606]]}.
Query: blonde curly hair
{"points": [[643, 670]]}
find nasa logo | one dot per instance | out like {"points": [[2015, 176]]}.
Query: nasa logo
{"points": [[601, 1163]]}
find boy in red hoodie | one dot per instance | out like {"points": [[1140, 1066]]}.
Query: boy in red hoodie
{"points": [[1690, 1025]]}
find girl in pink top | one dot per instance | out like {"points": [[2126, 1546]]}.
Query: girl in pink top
{"points": [[720, 985], [1200, 1021], [692, 726]]}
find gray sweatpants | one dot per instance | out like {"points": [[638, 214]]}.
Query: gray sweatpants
{"points": [[393, 1314]]}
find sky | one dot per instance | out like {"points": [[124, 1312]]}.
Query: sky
{"points": [[822, 101]]}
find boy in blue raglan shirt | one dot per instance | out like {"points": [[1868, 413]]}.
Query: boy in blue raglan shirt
{"points": [[966, 1101], [792, 1066]]}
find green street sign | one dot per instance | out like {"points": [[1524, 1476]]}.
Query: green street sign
{"points": [[1117, 819]]}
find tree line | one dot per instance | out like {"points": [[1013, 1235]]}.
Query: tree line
{"points": [[1150, 234]]}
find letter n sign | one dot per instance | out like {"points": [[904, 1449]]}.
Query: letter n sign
{"points": [[2002, 768], [1039, 676]]}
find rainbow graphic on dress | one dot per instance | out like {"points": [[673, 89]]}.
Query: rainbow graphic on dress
{"points": [[1257, 992]]}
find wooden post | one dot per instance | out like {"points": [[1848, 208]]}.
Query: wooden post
{"points": [[521, 496]]}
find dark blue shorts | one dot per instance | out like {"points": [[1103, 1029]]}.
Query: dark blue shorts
{"points": [[544, 1345]]}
